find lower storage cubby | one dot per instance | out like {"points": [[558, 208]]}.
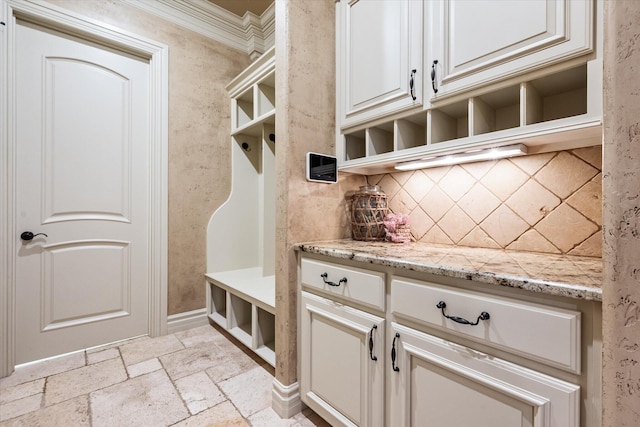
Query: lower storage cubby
{"points": [[243, 303], [239, 319]]}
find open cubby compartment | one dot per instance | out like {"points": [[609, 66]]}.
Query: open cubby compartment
{"points": [[266, 96], [380, 139], [218, 305], [448, 122], [239, 318], [244, 108], [497, 110], [264, 335], [556, 96], [411, 131], [355, 145]]}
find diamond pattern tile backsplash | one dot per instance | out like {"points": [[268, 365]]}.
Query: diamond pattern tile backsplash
{"points": [[540, 203]]}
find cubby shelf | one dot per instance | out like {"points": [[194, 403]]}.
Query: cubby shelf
{"points": [[243, 303], [546, 113], [240, 276]]}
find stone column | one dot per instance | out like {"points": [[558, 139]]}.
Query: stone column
{"points": [[621, 214], [305, 121]]}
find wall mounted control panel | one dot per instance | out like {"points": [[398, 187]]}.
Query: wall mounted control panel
{"points": [[322, 168]]}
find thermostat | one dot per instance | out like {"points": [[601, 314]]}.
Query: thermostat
{"points": [[322, 168]]}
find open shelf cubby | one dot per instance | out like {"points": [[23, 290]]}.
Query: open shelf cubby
{"points": [[549, 112], [240, 277]]}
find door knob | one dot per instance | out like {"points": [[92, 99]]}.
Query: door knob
{"points": [[27, 235]]}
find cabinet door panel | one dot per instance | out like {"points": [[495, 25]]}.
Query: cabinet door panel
{"points": [[379, 44], [480, 42], [339, 379], [442, 384]]}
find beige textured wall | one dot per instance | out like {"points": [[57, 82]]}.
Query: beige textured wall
{"points": [[621, 209], [306, 211], [539, 203], [199, 126]]}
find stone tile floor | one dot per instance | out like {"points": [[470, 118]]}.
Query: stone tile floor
{"points": [[197, 377]]}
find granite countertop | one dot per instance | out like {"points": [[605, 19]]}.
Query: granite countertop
{"points": [[569, 276]]}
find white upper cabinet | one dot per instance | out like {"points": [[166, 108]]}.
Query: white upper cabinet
{"points": [[379, 55], [479, 42]]}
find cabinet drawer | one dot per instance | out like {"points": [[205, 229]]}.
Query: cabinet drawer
{"points": [[361, 286], [548, 334]]}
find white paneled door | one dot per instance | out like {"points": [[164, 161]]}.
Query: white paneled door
{"points": [[83, 165]]}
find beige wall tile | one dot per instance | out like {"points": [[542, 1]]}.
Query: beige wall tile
{"points": [[588, 200], [565, 173], [436, 235], [479, 202], [456, 224], [532, 164], [456, 183], [418, 186], [478, 169], [590, 247], [402, 202], [477, 238], [532, 241], [504, 226], [503, 179], [479, 187], [532, 202], [436, 203], [389, 185], [591, 155], [419, 222], [565, 227]]}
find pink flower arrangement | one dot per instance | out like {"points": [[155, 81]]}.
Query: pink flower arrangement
{"points": [[397, 228]]}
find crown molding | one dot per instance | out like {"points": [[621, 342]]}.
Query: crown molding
{"points": [[252, 34]]}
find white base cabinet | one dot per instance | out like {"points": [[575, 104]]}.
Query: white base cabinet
{"points": [[442, 384], [415, 352], [342, 376]]}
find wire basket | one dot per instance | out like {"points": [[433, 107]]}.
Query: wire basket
{"points": [[368, 209]]}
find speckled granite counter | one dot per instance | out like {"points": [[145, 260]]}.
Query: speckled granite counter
{"points": [[568, 276]]}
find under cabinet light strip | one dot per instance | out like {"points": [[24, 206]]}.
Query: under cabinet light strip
{"points": [[467, 157]]}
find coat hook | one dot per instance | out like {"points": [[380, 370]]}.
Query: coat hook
{"points": [[245, 147]]}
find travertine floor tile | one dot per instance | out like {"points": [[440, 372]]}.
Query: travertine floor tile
{"points": [[147, 400], [250, 392], [19, 407], [268, 418], [101, 356], [222, 415], [43, 369], [200, 335], [140, 351], [199, 392], [193, 359], [66, 385], [144, 367], [21, 391], [74, 412]]}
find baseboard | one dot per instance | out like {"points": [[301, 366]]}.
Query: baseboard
{"points": [[286, 399], [187, 320]]}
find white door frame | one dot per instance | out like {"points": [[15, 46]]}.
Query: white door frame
{"points": [[48, 15]]}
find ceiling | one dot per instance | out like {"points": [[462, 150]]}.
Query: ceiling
{"points": [[239, 7]]}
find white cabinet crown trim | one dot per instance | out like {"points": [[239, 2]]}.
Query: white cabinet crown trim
{"points": [[252, 34]]}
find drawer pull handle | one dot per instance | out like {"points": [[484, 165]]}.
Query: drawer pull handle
{"points": [[412, 84], [483, 316], [340, 282], [374, 358], [393, 353], [433, 76]]}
